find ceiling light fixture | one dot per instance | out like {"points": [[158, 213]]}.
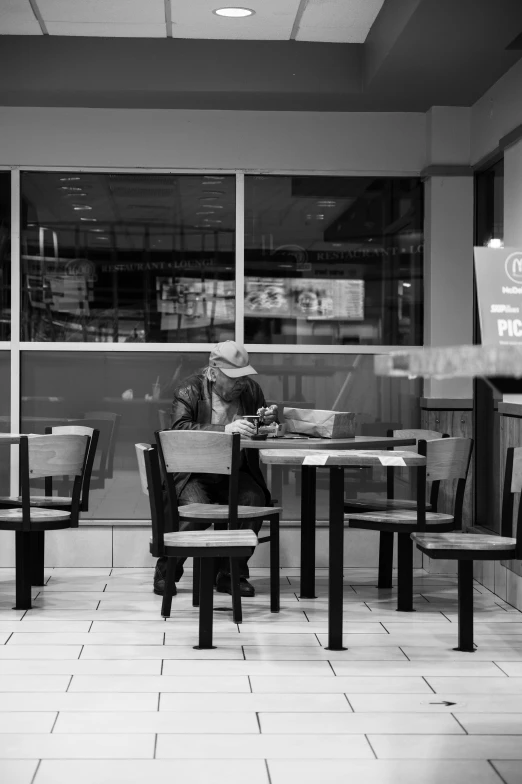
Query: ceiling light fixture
{"points": [[233, 12]]}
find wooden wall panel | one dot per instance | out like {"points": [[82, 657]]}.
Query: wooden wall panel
{"points": [[510, 435]]}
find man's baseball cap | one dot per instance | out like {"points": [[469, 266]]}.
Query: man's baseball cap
{"points": [[231, 359]]}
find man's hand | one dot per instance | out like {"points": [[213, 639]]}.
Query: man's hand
{"points": [[269, 414], [241, 426]]}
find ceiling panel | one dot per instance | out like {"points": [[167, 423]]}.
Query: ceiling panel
{"points": [[100, 30], [338, 21], [17, 18], [103, 11], [273, 20]]}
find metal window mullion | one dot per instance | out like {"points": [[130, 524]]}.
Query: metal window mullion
{"points": [[240, 257], [15, 323]]}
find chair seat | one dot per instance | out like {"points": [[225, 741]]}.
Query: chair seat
{"points": [[396, 517], [37, 515], [220, 511], [382, 504], [218, 539], [38, 500], [463, 542]]}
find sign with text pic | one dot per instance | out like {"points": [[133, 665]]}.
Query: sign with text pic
{"points": [[498, 274]]}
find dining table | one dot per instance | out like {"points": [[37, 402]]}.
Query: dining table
{"points": [[294, 443], [336, 461]]}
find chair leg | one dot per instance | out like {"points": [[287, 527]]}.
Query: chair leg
{"points": [[170, 583], [235, 586], [385, 560], [405, 576], [37, 558], [23, 570], [196, 577], [275, 591], [465, 607], [206, 604]]}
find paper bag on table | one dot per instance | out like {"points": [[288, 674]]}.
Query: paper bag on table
{"points": [[320, 423]]}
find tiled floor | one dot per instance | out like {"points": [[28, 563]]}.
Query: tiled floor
{"points": [[96, 687]]}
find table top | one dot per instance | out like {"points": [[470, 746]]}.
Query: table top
{"points": [[376, 457], [9, 438], [358, 442]]}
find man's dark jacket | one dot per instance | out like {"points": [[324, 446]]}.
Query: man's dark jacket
{"points": [[192, 410]]}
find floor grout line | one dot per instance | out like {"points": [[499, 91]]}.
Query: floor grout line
{"points": [[492, 764], [36, 771]]}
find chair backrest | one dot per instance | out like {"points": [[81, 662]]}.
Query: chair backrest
{"points": [[200, 452], [114, 419], [448, 459], [419, 435], [150, 479], [52, 455], [93, 435], [378, 428], [512, 486]]}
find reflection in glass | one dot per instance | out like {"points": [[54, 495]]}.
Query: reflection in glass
{"points": [[128, 258], [5, 419], [340, 383], [5, 255], [127, 396], [333, 260]]}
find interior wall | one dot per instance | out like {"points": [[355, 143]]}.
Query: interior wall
{"points": [[497, 113], [380, 143]]}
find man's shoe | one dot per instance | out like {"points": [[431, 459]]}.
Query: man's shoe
{"points": [[159, 583], [224, 585]]}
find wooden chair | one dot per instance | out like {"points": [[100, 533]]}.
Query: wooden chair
{"points": [[466, 548], [207, 452], [390, 502], [50, 501], [42, 456], [203, 545], [446, 459], [114, 422]]}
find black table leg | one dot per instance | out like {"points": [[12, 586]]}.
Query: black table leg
{"points": [[206, 604], [336, 560], [465, 607], [37, 557], [308, 511], [385, 560], [23, 543], [405, 573]]}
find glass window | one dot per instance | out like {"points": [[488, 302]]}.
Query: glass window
{"points": [[340, 383], [333, 260], [5, 255], [127, 258], [5, 419], [126, 395]]}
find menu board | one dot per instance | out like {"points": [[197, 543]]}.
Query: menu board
{"points": [[498, 273], [305, 298]]}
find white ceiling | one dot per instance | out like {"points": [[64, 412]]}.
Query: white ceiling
{"points": [[340, 21]]}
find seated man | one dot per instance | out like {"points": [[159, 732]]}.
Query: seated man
{"points": [[210, 400]]}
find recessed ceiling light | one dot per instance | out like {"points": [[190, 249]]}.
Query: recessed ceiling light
{"points": [[234, 12]]}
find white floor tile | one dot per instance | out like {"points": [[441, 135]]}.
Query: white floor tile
{"points": [[500, 685], [194, 771], [19, 652], [247, 638], [465, 668], [357, 723], [248, 668], [511, 668], [82, 638], [26, 722], [501, 652], [148, 721], [509, 770], [437, 747], [17, 771], [458, 703], [160, 652], [491, 723], [82, 667], [262, 747], [358, 652], [159, 683], [133, 701], [33, 683], [46, 627], [339, 685], [35, 746], [280, 703], [380, 772]]}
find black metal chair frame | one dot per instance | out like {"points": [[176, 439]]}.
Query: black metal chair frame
{"points": [[205, 555], [465, 558]]}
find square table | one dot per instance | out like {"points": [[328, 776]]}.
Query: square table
{"points": [[336, 461], [308, 486]]}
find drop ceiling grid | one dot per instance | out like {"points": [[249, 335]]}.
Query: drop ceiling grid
{"points": [[273, 20], [17, 18], [338, 21]]}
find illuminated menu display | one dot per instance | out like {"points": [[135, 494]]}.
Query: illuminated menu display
{"points": [[304, 298]]}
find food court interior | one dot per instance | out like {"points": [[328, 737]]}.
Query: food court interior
{"points": [[308, 179]]}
